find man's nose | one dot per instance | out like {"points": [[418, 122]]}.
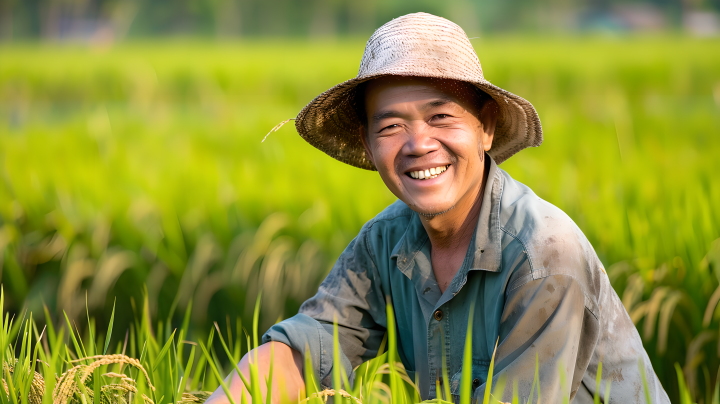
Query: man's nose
{"points": [[420, 140]]}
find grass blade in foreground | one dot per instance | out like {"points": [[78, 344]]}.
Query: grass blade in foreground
{"points": [[466, 375]]}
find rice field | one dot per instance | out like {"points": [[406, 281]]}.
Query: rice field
{"points": [[133, 178]]}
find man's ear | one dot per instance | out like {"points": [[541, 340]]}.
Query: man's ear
{"points": [[362, 132], [488, 117]]}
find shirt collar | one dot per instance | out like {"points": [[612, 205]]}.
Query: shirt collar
{"points": [[487, 248]]}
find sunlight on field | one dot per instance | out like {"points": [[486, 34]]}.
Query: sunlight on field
{"points": [[142, 164]]}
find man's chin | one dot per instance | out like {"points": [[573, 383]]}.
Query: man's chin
{"points": [[430, 213]]}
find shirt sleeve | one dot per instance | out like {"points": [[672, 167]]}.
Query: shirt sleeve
{"points": [[349, 295], [544, 324]]}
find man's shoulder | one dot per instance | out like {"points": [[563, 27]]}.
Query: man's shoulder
{"points": [[554, 244], [530, 218], [395, 214], [387, 228]]}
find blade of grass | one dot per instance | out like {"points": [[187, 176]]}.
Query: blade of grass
{"points": [[10, 386], [336, 378], [199, 373], [310, 382], [83, 392], [535, 382], [32, 368], [50, 371], [182, 335], [4, 398], [537, 375], [685, 397], [188, 368], [80, 352], [466, 375], [256, 317], [269, 379], [164, 351], [716, 392], [641, 365], [563, 383], [255, 393], [110, 329], [598, 377], [211, 362], [607, 391], [50, 329], [227, 352], [488, 383], [499, 389], [395, 386], [446, 385]]}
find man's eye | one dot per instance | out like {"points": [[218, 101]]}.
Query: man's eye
{"points": [[389, 127], [441, 116]]}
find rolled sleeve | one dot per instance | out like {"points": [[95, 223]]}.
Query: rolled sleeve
{"points": [[349, 295], [305, 334]]}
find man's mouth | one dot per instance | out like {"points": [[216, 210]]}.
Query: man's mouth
{"points": [[427, 173]]}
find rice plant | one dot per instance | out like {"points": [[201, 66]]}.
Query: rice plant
{"points": [[52, 368]]}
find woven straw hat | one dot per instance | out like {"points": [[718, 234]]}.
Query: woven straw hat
{"points": [[422, 45]]}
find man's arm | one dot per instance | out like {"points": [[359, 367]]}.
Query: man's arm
{"points": [[545, 324], [350, 295], [287, 375]]}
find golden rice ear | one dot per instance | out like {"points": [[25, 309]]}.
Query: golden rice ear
{"points": [[421, 45]]}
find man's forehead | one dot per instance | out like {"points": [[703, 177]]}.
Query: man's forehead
{"points": [[450, 88], [433, 92]]}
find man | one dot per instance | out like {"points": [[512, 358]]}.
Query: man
{"points": [[463, 233]]}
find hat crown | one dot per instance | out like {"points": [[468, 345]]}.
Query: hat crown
{"points": [[420, 42]]}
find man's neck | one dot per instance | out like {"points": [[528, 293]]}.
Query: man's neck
{"points": [[451, 233]]}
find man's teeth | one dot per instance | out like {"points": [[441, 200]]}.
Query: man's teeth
{"points": [[429, 173]]}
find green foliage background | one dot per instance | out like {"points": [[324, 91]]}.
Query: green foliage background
{"points": [[141, 164]]}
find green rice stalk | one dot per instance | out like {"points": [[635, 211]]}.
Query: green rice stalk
{"points": [[188, 368], [641, 365], [392, 356], [244, 380], [311, 386], [607, 390], [269, 379], [563, 383], [466, 375], [488, 384], [253, 364], [215, 370], [598, 378], [685, 397], [446, 385]]}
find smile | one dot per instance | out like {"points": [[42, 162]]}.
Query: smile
{"points": [[428, 173]]}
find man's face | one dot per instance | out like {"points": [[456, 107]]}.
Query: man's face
{"points": [[427, 139]]}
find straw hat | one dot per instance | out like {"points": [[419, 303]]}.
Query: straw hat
{"points": [[422, 45]]}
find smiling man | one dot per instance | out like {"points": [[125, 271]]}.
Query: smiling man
{"points": [[462, 235]]}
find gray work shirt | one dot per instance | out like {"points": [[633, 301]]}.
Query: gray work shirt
{"points": [[537, 285]]}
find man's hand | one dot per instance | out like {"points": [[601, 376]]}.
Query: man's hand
{"points": [[287, 375]]}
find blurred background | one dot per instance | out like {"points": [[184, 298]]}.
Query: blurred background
{"points": [[131, 167], [113, 20]]}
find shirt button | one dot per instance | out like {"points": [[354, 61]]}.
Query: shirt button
{"points": [[438, 315], [476, 383]]}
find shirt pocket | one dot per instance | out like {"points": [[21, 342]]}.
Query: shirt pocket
{"points": [[478, 376]]}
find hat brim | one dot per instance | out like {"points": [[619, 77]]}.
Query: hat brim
{"points": [[330, 122]]}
